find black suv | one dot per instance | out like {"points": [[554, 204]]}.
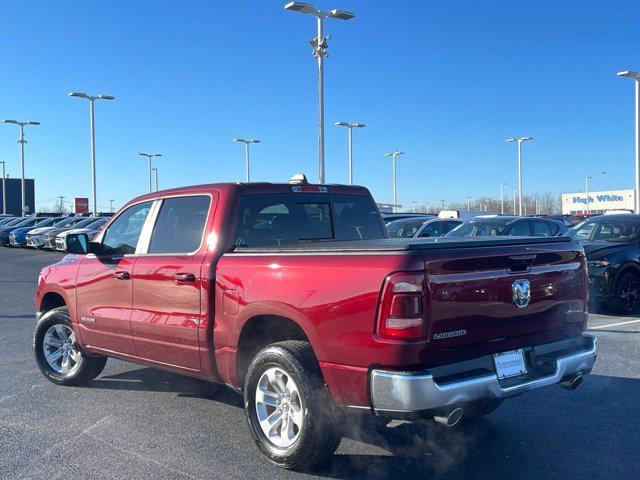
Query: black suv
{"points": [[502, 225], [611, 243]]}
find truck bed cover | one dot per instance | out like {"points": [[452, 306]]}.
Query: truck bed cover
{"points": [[401, 245]]}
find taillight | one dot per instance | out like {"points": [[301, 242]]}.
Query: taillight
{"points": [[401, 316]]}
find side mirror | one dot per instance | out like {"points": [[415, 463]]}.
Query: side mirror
{"points": [[78, 243]]}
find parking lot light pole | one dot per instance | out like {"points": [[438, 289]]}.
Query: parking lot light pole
{"points": [[149, 157], [468, 202], [514, 201], [634, 76], [320, 50], [92, 99], [586, 188], [4, 189], [111, 204], [246, 142], [22, 141], [350, 126], [155, 170], [393, 156], [519, 140], [502, 197]]}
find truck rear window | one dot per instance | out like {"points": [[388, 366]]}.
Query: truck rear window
{"points": [[272, 220]]}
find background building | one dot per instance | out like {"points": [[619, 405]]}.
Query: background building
{"points": [[14, 196], [599, 202]]}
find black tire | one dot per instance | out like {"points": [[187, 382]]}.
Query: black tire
{"points": [[319, 436], [86, 368], [626, 293]]}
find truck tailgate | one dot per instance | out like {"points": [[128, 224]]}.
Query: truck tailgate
{"points": [[490, 299]]}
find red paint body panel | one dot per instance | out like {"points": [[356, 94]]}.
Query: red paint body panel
{"points": [[106, 301], [194, 328], [166, 313]]}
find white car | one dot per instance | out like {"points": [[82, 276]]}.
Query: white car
{"points": [[35, 237], [91, 230]]}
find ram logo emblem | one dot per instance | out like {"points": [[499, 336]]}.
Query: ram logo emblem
{"points": [[521, 293]]}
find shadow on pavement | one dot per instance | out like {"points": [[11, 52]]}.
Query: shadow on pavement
{"points": [[552, 434]]}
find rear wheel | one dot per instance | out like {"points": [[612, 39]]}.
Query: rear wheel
{"points": [[58, 354], [625, 294], [289, 409]]}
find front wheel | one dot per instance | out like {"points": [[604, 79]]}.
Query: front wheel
{"points": [[288, 407], [58, 354], [625, 294]]}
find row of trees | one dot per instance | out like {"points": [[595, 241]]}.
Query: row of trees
{"points": [[543, 203]]}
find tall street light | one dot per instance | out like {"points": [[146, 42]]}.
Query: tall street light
{"points": [[246, 142], [4, 189], [514, 201], [350, 126], [149, 157], [92, 98], [502, 197], [468, 202], [22, 141], [111, 204], [155, 170], [320, 47], [393, 156], [519, 140], [634, 76], [586, 182]]}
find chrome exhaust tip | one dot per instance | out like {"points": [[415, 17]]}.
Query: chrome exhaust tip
{"points": [[572, 383], [451, 419]]}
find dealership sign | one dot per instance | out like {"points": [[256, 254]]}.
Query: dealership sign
{"points": [[81, 205], [600, 198]]}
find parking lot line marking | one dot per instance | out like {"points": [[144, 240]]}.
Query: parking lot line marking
{"points": [[614, 324]]}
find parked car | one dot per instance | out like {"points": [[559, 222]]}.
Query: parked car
{"points": [[499, 225], [36, 238], [91, 229], [612, 246], [419, 227], [6, 219], [568, 220], [293, 295], [18, 236], [390, 217], [6, 229], [464, 214]]}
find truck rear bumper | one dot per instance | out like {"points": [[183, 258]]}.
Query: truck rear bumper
{"points": [[397, 394]]}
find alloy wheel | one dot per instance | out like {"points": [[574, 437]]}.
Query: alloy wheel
{"points": [[279, 407], [629, 293], [60, 349]]}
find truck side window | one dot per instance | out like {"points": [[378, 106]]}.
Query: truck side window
{"points": [[123, 233], [180, 225]]}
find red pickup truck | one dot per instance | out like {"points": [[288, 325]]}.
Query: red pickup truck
{"points": [[293, 295]]}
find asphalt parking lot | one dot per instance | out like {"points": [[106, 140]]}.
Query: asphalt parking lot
{"points": [[136, 422]]}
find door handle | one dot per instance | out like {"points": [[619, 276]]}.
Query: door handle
{"points": [[185, 277], [122, 275]]}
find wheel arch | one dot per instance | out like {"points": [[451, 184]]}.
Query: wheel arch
{"points": [[628, 266], [261, 330], [51, 300]]}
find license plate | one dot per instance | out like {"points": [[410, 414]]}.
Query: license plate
{"points": [[509, 364]]}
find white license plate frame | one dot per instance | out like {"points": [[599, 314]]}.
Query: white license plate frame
{"points": [[509, 364]]}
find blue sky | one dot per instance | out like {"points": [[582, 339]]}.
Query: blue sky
{"points": [[446, 82]]}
